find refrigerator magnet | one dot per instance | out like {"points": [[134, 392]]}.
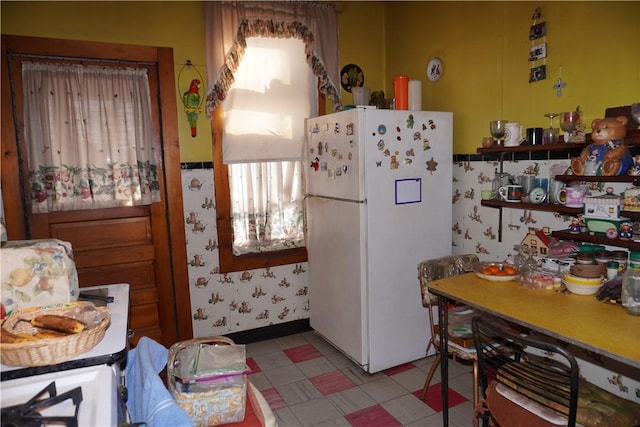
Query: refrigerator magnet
{"points": [[349, 128], [382, 129], [432, 165], [381, 145]]}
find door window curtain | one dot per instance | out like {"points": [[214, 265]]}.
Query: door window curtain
{"points": [[88, 136]]}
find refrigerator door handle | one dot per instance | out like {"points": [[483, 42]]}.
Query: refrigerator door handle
{"points": [[339, 199]]}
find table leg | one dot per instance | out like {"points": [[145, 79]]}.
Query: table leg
{"points": [[443, 302]]}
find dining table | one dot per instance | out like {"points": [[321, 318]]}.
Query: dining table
{"points": [[603, 328]]}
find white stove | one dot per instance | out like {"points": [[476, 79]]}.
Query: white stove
{"points": [[98, 373], [99, 400]]}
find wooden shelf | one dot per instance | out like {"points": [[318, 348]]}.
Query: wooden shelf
{"points": [[590, 178], [531, 206], [598, 239], [546, 207], [632, 140]]}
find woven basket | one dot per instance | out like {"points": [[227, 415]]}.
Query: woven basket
{"points": [[210, 408], [49, 351]]}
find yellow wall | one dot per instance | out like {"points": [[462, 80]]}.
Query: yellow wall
{"points": [[484, 46]]}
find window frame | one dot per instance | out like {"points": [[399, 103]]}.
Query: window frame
{"points": [[228, 261]]}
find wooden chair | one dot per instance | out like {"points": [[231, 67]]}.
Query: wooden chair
{"points": [[526, 381], [441, 268]]}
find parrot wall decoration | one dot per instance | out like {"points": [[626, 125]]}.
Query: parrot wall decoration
{"points": [[191, 101]]}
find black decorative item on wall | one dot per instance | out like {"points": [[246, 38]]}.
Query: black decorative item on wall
{"points": [[538, 50], [351, 76]]}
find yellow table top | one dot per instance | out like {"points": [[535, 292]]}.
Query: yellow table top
{"points": [[605, 329]]}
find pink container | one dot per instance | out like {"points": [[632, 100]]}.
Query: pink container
{"points": [[574, 197], [401, 92]]}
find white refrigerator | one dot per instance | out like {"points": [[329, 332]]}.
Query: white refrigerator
{"points": [[378, 201]]}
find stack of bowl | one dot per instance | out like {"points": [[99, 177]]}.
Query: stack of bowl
{"points": [[583, 279]]}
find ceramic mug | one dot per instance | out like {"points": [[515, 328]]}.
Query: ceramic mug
{"points": [[511, 193], [513, 135], [487, 194]]}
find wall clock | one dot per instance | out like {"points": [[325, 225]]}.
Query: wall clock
{"points": [[537, 195], [434, 69]]}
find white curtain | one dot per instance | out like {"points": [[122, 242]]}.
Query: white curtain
{"points": [[264, 112], [229, 23], [89, 138], [266, 206]]}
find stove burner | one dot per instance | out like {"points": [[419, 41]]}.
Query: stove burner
{"points": [[27, 415]]}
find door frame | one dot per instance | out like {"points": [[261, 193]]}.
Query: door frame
{"points": [[15, 217]]}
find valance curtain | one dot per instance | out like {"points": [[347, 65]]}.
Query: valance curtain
{"points": [[88, 135], [228, 24]]}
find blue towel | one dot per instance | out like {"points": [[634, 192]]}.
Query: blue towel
{"points": [[149, 400]]}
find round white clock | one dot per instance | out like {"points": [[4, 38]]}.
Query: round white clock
{"points": [[537, 195], [434, 69]]}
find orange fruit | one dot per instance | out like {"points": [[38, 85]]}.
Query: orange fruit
{"points": [[510, 271], [487, 271], [494, 269], [501, 273]]}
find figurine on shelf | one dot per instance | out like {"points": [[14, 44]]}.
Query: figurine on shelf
{"points": [[626, 231], [574, 226], [635, 170], [607, 148]]}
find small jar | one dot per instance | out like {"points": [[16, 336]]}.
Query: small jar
{"points": [[585, 258], [612, 270], [602, 258], [621, 257], [634, 260]]}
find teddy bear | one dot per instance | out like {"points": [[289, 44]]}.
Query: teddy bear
{"points": [[607, 150]]}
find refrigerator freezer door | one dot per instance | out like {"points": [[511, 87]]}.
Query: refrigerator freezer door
{"points": [[333, 155], [409, 220], [337, 274]]}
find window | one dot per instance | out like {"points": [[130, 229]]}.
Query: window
{"points": [[258, 172], [273, 92], [227, 27]]}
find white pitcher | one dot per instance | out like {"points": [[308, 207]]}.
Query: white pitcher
{"points": [[513, 135]]}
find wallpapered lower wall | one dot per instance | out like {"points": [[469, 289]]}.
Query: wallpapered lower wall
{"points": [[233, 302]]}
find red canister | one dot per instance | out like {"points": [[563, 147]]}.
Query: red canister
{"points": [[401, 92]]}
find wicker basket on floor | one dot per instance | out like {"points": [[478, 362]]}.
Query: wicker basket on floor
{"points": [[219, 406], [49, 351]]}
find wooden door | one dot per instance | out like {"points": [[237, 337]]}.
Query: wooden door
{"points": [[142, 245]]}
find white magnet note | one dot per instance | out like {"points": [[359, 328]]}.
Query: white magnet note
{"points": [[408, 191]]}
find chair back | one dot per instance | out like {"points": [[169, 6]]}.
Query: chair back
{"points": [[440, 268], [538, 371]]}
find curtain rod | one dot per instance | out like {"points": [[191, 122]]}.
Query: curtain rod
{"points": [[80, 59]]}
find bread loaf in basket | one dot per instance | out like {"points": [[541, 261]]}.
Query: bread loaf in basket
{"points": [[41, 347]]}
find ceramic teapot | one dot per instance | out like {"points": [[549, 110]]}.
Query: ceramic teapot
{"points": [[513, 135]]}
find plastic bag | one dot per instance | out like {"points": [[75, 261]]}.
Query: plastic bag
{"points": [[205, 367]]}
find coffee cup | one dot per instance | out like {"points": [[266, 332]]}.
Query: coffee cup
{"points": [[511, 193], [487, 194], [574, 197]]}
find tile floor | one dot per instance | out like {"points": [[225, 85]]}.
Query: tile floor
{"points": [[307, 382]]}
